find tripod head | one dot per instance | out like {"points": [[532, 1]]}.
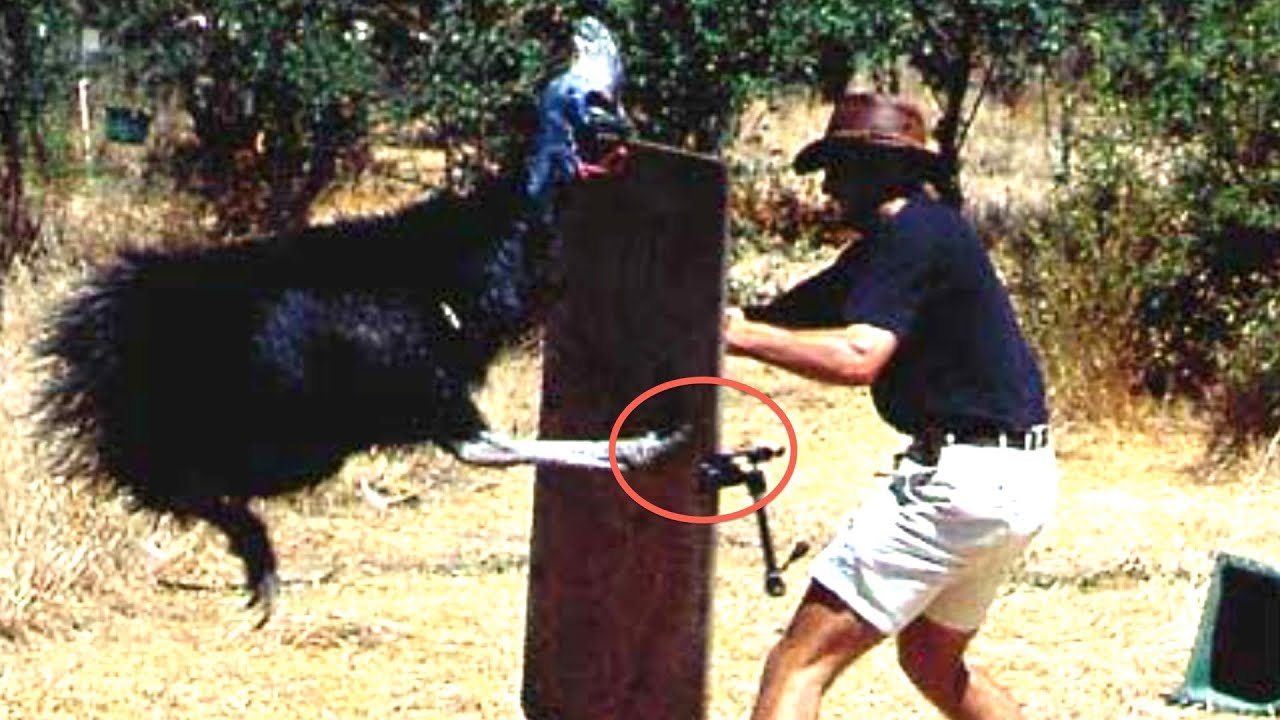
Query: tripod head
{"points": [[722, 470]]}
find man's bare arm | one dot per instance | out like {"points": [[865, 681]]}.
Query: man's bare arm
{"points": [[852, 355]]}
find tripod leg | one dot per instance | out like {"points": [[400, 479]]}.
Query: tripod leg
{"points": [[773, 583]]}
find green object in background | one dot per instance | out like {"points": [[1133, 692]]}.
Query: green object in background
{"points": [[127, 125], [1235, 665]]}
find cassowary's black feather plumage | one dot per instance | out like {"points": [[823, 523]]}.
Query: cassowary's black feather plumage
{"points": [[249, 370], [197, 380]]}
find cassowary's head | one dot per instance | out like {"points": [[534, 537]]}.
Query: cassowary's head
{"points": [[581, 123]]}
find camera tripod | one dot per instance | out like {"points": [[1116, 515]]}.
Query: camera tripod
{"points": [[722, 470]]}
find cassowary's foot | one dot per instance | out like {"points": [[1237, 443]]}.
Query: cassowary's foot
{"points": [[247, 536], [650, 448], [263, 596], [494, 449]]}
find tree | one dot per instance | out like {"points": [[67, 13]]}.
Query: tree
{"points": [[16, 226], [33, 64], [278, 89], [691, 64], [277, 93], [1199, 82], [960, 48], [694, 64], [466, 72]]}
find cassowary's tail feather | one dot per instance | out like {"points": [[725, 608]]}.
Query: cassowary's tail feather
{"points": [[83, 356]]}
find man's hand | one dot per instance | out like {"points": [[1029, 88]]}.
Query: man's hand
{"points": [[731, 325]]}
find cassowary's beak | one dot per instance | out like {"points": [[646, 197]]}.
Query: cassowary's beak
{"points": [[601, 134]]}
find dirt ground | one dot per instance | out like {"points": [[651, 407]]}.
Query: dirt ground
{"points": [[417, 610]]}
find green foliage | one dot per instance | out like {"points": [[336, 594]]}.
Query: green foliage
{"points": [[999, 43], [693, 64], [1071, 268], [470, 69], [307, 77], [276, 92], [34, 70], [1173, 210]]}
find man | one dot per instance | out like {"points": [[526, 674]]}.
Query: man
{"points": [[914, 309]]}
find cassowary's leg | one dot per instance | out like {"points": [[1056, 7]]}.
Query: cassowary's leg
{"points": [[489, 448], [247, 536]]}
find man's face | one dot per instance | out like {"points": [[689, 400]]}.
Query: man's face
{"points": [[857, 182]]}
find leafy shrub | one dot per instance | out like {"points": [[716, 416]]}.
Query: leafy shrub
{"points": [[1167, 237], [1204, 76], [276, 93], [1079, 268], [280, 91], [33, 75]]}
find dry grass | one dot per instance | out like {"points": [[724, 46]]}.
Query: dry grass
{"points": [[54, 538], [417, 610]]}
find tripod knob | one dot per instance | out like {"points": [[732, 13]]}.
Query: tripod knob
{"points": [[774, 585]]}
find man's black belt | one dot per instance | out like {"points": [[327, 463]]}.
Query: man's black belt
{"points": [[928, 444], [1033, 439]]}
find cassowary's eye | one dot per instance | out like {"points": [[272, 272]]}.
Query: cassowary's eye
{"points": [[603, 119], [598, 100]]}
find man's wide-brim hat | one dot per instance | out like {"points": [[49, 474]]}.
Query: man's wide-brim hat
{"points": [[863, 119]]}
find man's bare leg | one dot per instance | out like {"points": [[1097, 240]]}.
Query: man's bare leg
{"points": [[932, 655], [824, 637]]}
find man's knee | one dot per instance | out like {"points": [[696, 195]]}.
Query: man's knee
{"points": [[823, 637], [942, 681], [932, 657], [822, 651]]}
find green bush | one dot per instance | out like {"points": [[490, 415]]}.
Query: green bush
{"points": [[276, 91], [1212, 320], [1079, 268], [34, 76], [1167, 235], [280, 90]]}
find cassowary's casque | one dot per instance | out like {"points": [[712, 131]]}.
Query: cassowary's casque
{"points": [[197, 380]]}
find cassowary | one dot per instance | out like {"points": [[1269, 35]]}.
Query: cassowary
{"points": [[196, 380]]}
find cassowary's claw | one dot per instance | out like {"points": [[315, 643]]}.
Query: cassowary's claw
{"points": [[651, 448], [264, 596]]}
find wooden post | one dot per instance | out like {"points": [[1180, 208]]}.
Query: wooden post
{"points": [[620, 598]]}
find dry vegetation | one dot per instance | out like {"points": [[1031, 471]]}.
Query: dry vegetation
{"points": [[417, 610]]}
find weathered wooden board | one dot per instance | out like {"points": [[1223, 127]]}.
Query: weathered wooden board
{"points": [[620, 598]]}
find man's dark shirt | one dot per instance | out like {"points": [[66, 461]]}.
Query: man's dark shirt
{"points": [[961, 363]]}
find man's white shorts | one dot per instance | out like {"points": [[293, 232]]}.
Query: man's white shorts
{"points": [[939, 540]]}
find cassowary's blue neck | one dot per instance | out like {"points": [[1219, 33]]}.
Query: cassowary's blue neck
{"points": [[554, 161], [574, 108], [517, 276]]}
